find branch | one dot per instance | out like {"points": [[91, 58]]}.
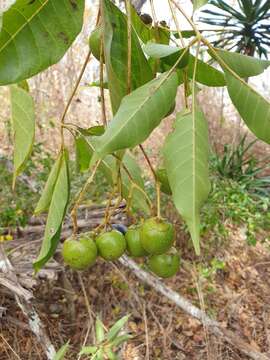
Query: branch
{"points": [[23, 298], [192, 310]]}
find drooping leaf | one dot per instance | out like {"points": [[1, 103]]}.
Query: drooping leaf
{"points": [[35, 35], [56, 214], [243, 65], [83, 154], [253, 108], [23, 123], [46, 196], [116, 328], [168, 54], [116, 55], [185, 33], [60, 355], [186, 161], [139, 114], [205, 74], [143, 31]]}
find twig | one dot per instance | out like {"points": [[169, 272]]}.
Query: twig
{"points": [[192, 310]]}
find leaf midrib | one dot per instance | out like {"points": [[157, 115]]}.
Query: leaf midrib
{"points": [[27, 21]]}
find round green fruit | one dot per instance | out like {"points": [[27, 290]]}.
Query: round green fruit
{"points": [[165, 265], [95, 41], [157, 236], [111, 245], [134, 245], [79, 253]]}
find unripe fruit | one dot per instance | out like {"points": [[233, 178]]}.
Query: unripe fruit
{"points": [[165, 265], [157, 236], [111, 245], [134, 245], [95, 42], [80, 253]]}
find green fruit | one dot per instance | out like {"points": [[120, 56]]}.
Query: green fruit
{"points": [[157, 236], [164, 181], [95, 41], [165, 265], [79, 253], [133, 239], [111, 245]]}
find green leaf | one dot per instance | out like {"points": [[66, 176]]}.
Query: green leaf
{"points": [[243, 65], [35, 35], [168, 54], [57, 211], [205, 74], [60, 355], [83, 154], [23, 123], [185, 34], [199, 3], [144, 32], [253, 108], [92, 131], [186, 161], [88, 350], [164, 181], [116, 328], [111, 355], [100, 335], [119, 340], [139, 114], [116, 55], [46, 196]]}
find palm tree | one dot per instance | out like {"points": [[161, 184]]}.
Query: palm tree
{"points": [[245, 28]]}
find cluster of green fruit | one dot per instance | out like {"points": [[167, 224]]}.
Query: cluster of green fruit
{"points": [[153, 239]]}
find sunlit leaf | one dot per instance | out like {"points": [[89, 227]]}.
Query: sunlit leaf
{"points": [[23, 124], [35, 35], [139, 114], [60, 355]]}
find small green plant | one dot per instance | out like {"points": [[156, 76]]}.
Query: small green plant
{"points": [[239, 164], [229, 201], [107, 341]]}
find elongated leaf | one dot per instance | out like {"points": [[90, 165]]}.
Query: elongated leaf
{"points": [[186, 160], [83, 154], [253, 108], [119, 340], [139, 114], [116, 328], [23, 123], [116, 55], [108, 167], [60, 355], [144, 31], [57, 211], [35, 35], [46, 196], [205, 74], [88, 350], [168, 54], [243, 65], [100, 334]]}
